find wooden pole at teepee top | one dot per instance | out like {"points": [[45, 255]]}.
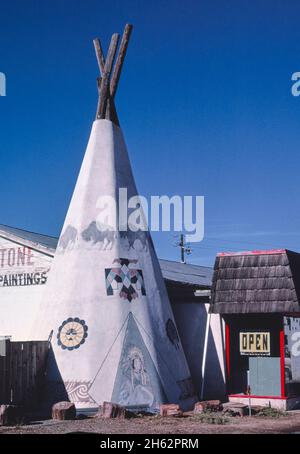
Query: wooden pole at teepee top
{"points": [[107, 84], [111, 113], [120, 60], [104, 87], [99, 55]]}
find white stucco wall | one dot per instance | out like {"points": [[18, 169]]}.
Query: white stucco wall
{"points": [[23, 274], [191, 321]]}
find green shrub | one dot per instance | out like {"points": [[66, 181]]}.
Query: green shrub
{"points": [[208, 417], [269, 412]]}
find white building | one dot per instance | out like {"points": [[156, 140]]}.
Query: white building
{"points": [[25, 261]]}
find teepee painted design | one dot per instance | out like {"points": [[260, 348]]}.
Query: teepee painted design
{"points": [[106, 308]]}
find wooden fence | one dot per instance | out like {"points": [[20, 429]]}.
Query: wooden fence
{"points": [[22, 371]]}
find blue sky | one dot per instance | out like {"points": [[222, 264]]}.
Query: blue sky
{"points": [[204, 101]]}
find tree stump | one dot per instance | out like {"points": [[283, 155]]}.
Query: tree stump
{"points": [[170, 410], [235, 409], [10, 415], [207, 405], [110, 410], [63, 410]]}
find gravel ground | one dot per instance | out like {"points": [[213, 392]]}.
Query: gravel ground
{"points": [[158, 425]]}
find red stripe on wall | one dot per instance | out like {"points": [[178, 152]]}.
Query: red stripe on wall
{"points": [[227, 348], [246, 396]]}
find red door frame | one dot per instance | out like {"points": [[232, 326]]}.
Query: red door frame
{"points": [[227, 351]]}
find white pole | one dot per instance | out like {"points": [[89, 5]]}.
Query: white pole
{"points": [[205, 348], [249, 391]]}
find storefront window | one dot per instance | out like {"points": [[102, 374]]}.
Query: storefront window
{"points": [[254, 354]]}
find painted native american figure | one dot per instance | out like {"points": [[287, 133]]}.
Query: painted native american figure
{"points": [[136, 387]]}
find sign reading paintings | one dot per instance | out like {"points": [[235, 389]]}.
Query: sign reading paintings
{"points": [[254, 343], [18, 267]]}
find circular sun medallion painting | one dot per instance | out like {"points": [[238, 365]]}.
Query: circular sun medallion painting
{"points": [[72, 333]]}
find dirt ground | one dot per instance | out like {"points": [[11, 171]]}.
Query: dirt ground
{"points": [[157, 425]]}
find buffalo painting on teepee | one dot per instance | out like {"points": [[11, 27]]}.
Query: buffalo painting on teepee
{"points": [[106, 308]]}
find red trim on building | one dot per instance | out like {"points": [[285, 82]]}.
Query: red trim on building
{"points": [[256, 252], [246, 396], [281, 341], [227, 349]]}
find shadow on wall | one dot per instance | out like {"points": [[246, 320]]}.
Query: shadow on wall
{"points": [[191, 319], [53, 389], [214, 381]]}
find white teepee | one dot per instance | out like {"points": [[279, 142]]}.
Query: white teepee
{"points": [[106, 308]]}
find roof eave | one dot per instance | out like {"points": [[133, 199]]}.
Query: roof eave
{"points": [[30, 244]]}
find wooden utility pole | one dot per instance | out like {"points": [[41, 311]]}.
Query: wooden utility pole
{"points": [[181, 244], [184, 249]]}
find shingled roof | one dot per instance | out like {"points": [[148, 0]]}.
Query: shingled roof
{"points": [[256, 281]]}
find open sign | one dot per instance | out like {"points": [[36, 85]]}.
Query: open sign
{"points": [[255, 343]]}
